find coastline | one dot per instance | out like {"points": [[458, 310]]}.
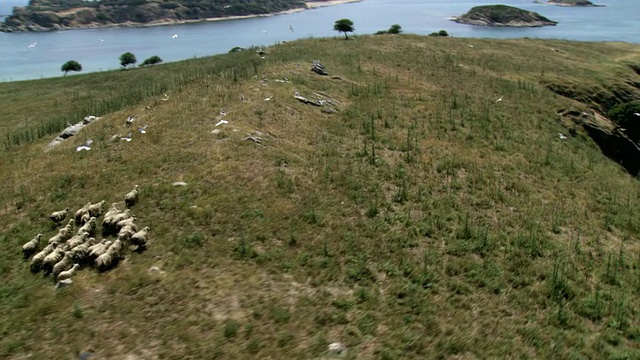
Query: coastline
{"points": [[163, 22], [309, 6]]}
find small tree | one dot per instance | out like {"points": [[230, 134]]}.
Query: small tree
{"points": [[127, 59], [395, 29], [71, 65], [344, 26], [155, 59]]}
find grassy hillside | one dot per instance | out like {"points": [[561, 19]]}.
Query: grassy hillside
{"points": [[416, 217]]}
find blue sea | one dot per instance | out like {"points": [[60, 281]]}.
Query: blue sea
{"points": [[38, 55]]}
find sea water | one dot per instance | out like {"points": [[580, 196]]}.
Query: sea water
{"points": [[38, 55]]}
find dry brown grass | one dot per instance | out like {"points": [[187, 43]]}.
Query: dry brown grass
{"points": [[422, 220]]}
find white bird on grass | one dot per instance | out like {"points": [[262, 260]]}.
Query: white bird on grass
{"points": [[127, 138], [166, 97], [130, 120], [223, 113], [143, 130], [86, 146], [268, 98], [222, 122], [562, 136], [501, 97]]}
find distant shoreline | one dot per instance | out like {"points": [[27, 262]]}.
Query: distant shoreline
{"points": [[163, 22], [309, 6]]}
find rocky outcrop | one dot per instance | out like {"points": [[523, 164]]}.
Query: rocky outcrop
{"points": [[502, 15], [612, 140]]}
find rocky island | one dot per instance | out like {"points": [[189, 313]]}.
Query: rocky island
{"points": [[45, 15], [503, 15], [568, 2]]}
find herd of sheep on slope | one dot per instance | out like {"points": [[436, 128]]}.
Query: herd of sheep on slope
{"points": [[75, 246]]}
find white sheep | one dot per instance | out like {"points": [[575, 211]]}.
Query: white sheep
{"points": [[69, 273], [77, 240], [140, 238], [127, 222], [63, 264], [58, 216], [55, 240], [131, 197], [36, 261], [109, 223], [65, 232], [99, 249], [104, 262], [96, 245], [89, 227], [113, 210], [84, 218], [126, 232], [116, 248], [54, 257], [83, 210], [95, 210], [31, 246], [81, 252]]}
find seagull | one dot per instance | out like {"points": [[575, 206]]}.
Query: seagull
{"points": [[291, 28], [32, 45], [500, 98], [127, 138], [242, 98], [86, 146], [166, 97], [69, 124], [268, 98], [143, 130], [264, 31], [101, 40], [129, 121], [174, 36], [636, 114], [562, 136], [223, 113], [222, 122]]}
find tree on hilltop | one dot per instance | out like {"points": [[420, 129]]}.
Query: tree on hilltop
{"points": [[155, 59], [127, 59], [344, 26], [395, 29], [71, 65]]}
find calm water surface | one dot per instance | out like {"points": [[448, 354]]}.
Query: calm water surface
{"points": [[99, 49]]}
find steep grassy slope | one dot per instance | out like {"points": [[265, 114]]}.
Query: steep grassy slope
{"points": [[422, 219]]}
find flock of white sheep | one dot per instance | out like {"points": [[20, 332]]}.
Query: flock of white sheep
{"points": [[75, 245]]}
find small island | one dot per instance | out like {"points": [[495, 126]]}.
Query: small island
{"points": [[503, 15], [46, 15], [583, 3]]}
